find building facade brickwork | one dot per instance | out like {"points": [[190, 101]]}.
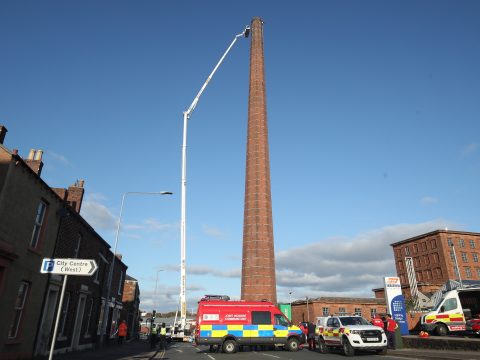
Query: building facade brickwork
{"points": [[258, 260], [29, 223], [309, 310], [433, 258]]}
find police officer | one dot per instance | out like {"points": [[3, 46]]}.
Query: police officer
{"points": [[153, 336], [163, 336]]}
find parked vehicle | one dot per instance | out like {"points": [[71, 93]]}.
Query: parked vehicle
{"points": [[351, 333], [452, 312], [230, 324], [473, 326]]}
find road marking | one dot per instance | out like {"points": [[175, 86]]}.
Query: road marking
{"points": [[179, 350], [210, 356], [274, 356]]}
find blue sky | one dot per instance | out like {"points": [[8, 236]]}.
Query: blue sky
{"points": [[373, 117]]}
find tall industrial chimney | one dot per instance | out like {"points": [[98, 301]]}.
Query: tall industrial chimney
{"points": [[258, 262]]}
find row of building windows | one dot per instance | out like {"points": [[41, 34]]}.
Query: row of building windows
{"points": [[461, 243], [342, 311], [468, 272], [464, 256], [430, 274], [421, 260]]}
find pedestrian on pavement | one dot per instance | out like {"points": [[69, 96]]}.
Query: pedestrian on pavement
{"points": [[163, 337], [391, 326], [377, 321], [122, 332], [311, 336], [153, 336]]}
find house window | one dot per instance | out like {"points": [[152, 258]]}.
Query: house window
{"points": [[433, 243], [415, 248], [18, 310], [341, 311], [373, 312], [468, 272], [325, 311], [435, 258], [398, 252], [39, 220], [100, 317], [439, 272], [358, 311], [426, 260], [450, 242], [461, 243], [472, 244], [63, 317], [452, 255], [400, 264], [477, 269], [424, 246], [120, 284], [89, 317], [464, 257], [77, 248], [407, 251]]}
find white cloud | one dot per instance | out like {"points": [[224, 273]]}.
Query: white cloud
{"points": [[58, 158], [344, 266], [427, 200], [98, 215], [213, 232], [469, 150]]}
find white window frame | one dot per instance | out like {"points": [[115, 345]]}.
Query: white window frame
{"points": [[464, 257], [468, 272], [39, 221], [89, 318], [373, 312], [63, 317], [358, 311], [120, 283], [472, 244], [325, 311], [18, 309], [79, 243]]}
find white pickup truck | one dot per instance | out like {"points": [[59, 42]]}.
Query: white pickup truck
{"points": [[351, 333]]}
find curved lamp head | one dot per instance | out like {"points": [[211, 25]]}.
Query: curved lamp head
{"points": [[246, 32]]}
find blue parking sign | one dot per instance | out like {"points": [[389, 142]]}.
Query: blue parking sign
{"points": [[48, 265]]}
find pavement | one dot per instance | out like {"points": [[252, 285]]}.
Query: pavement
{"points": [[429, 354], [140, 350]]}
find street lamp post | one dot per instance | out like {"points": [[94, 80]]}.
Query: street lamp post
{"points": [[155, 296], [186, 117], [112, 264]]}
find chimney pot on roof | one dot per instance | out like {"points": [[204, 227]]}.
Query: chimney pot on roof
{"points": [[39, 155], [3, 132], [15, 151], [31, 154]]}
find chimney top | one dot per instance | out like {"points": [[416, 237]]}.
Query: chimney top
{"points": [[3, 132]]}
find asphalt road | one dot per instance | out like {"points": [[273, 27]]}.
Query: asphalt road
{"points": [[185, 351]]}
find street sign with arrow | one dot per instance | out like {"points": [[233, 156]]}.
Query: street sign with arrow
{"points": [[81, 267]]}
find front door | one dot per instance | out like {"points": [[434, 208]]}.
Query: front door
{"points": [[47, 321], [77, 330]]}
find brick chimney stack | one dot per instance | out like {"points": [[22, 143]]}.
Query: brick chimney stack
{"points": [[34, 160], [258, 262], [75, 195], [3, 132]]}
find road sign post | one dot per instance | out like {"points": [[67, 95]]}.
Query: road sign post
{"points": [[65, 267]]}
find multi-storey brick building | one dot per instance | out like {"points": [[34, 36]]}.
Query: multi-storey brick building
{"points": [[38, 222], [433, 258], [308, 310], [29, 219], [131, 305], [84, 299]]}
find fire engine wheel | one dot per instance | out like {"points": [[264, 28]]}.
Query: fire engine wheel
{"points": [[322, 347], [348, 350], [293, 344], [229, 347], [441, 330]]}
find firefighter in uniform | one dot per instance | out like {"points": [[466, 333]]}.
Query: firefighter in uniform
{"points": [[390, 327]]}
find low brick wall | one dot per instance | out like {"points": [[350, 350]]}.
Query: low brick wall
{"points": [[441, 343]]}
